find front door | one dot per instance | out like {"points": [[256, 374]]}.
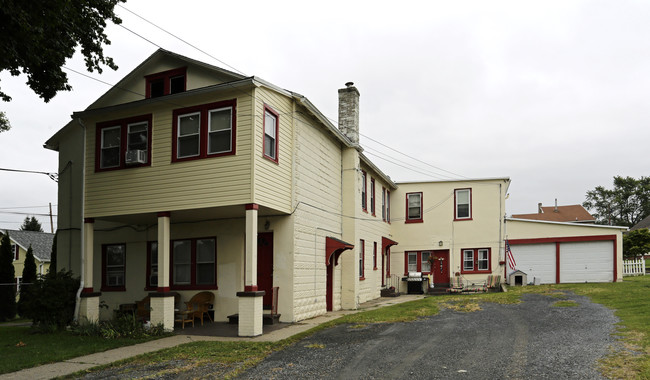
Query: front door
{"points": [[440, 268], [265, 266]]}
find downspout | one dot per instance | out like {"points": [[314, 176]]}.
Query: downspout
{"points": [[77, 304]]}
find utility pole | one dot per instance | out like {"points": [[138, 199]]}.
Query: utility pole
{"points": [[51, 223]]}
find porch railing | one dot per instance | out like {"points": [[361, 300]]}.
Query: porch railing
{"points": [[634, 267], [393, 281]]}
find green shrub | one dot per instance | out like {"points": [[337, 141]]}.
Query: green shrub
{"points": [[123, 326], [51, 301]]}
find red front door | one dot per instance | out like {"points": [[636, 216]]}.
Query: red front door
{"points": [[440, 267], [265, 265]]}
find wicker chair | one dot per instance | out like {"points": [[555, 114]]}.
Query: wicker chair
{"points": [[199, 305]]}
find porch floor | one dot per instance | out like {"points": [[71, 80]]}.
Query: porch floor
{"points": [[222, 329]]}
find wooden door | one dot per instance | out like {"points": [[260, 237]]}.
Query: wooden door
{"points": [[265, 266], [440, 267]]}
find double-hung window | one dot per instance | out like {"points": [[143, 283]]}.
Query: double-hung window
{"points": [[362, 259], [194, 264], [383, 204], [364, 199], [166, 83], [123, 143], [113, 267], [14, 250], [204, 131], [372, 196], [418, 261], [414, 208], [476, 260], [463, 204], [271, 129]]}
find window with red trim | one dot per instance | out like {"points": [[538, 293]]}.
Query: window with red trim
{"points": [[362, 259], [383, 203], [152, 266], [113, 267], [463, 204], [166, 83], [413, 207], [417, 261], [372, 196], [374, 255], [202, 131], [364, 200], [194, 264], [388, 206], [271, 132], [123, 143], [476, 260]]}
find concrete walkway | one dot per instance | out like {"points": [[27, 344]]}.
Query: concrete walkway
{"points": [[48, 371]]}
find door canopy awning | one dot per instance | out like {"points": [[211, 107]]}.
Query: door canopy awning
{"points": [[334, 247], [386, 242]]}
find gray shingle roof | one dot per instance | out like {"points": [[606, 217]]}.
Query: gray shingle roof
{"points": [[41, 242], [645, 223]]}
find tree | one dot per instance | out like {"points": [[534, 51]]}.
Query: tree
{"points": [[625, 205], [39, 35], [636, 243], [31, 224], [29, 278], [7, 292], [53, 255], [4, 122]]}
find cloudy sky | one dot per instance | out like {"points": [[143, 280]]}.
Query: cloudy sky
{"points": [[552, 94]]}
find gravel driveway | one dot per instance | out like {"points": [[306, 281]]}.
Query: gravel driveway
{"points": [[529, 340]]}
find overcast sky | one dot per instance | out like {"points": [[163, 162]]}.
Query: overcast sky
{"points": [[552, 94]]}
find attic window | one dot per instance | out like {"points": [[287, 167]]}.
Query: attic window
{"points": [[166, 82]]}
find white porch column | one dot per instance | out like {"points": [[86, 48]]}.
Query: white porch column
{"points": [[162, 301], [89, 299], [250, 300]]}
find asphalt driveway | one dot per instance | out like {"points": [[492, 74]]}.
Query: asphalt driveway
{"points": [[530, 340]]}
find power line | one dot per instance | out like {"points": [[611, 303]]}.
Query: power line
{"points": [[178, 38], [53, 176]]}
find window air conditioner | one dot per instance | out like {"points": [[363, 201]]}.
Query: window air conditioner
{"points": [[135, 157]]}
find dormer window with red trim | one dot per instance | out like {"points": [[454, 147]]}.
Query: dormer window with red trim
{"points": [[166, 83]]}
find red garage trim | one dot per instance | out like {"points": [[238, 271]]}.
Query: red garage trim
{"points": [[557, 262], [572, 239]]}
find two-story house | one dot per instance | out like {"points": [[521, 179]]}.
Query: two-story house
{"points": [[187, 177]]}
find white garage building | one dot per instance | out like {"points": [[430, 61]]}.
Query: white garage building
{"points": [[558, 252]]}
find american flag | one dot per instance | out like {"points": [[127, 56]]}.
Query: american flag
{"points": [[511, 259]]}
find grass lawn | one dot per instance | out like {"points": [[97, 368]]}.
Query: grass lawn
{"points": [[21, 348]]}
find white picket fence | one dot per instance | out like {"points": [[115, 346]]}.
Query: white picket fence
{"points": [[634, 267]]}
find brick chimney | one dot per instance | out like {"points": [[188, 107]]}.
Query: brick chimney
{"points": [[349, 112]]}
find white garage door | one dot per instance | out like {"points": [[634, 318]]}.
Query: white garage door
{"points": [[536, 260], [591, 261]]}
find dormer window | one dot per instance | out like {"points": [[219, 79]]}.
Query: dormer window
{"points": [[166, 83]]}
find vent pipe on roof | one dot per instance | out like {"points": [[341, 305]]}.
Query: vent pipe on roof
{"points": [[556, 210], [539, 208], [349, 112]]}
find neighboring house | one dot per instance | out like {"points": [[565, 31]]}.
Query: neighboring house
{"points": [[41, 243], [645, 223], [185, 177], [570, 213]]}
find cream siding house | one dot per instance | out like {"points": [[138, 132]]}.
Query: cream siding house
{"points": [[185, 177], [459, 223], [21, 241]]}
